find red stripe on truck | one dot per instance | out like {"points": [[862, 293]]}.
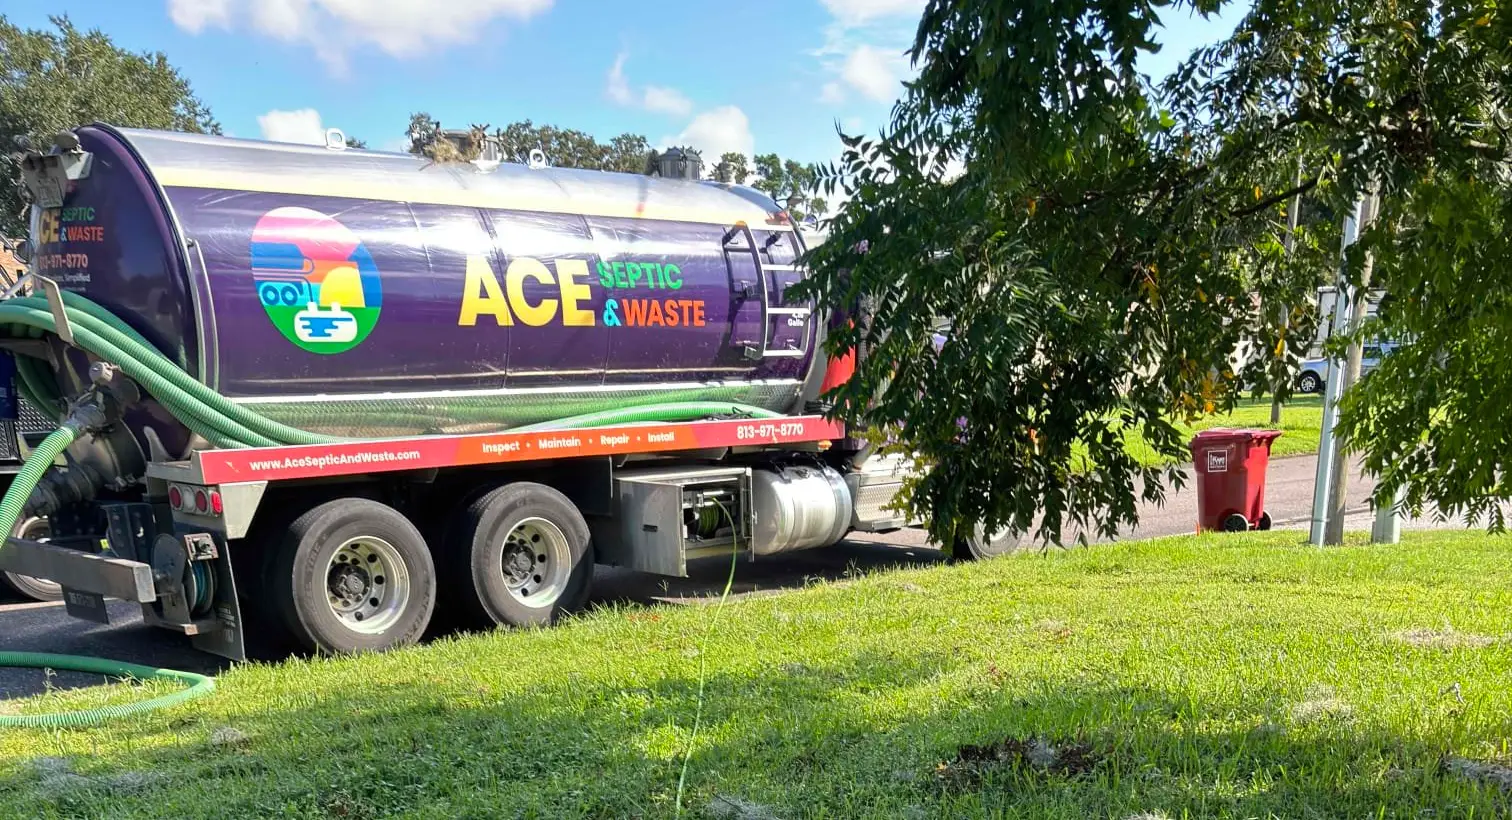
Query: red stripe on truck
{"points": [[389, 455]]}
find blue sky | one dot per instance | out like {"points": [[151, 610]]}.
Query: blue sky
{"points": [[765, 77]]}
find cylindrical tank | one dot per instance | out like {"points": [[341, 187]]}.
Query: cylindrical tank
{"points": [[798, 507], [360, 293]]}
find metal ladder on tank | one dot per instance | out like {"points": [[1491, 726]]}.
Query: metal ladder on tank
{"points": [[766, 351]]}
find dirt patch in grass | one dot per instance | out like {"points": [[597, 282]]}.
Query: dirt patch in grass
{"points": [[1485, 773], [1056, 630], [735, 808], [56, 776], [1446, 639], [1035, 755], [1320, 704]]}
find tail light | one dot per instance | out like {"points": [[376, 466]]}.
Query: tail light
{"points": [[195, 500]]}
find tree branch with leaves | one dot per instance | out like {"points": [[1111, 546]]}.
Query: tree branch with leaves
{"points": [[1112, 240]]}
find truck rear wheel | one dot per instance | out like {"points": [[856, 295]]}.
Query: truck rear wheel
{"points": [[353, 575], [37, 589], [524, 553]]}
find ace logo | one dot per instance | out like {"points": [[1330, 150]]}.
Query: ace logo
{"points": [[1217, 461]]}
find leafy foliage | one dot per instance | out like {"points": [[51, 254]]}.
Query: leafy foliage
{"points": [[1111, 241], [64, 78], [738, 165], [563, 147], [781, 179]]}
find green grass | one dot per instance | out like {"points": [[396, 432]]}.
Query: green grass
{"points": [[1247, 676], [1301, 422]]}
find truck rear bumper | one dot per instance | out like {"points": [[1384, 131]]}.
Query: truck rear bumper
{"points": [[80, 571]]}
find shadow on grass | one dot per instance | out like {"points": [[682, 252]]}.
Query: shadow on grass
{"points": [[52, 630], [874, 734]]}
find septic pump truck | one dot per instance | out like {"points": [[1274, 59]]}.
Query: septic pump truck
{"points": [[327, 392]]}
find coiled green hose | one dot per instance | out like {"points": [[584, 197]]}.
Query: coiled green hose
{"points": [[10, 511], [209, 414], [199, 686]]}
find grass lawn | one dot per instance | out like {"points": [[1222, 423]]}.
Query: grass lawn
{"points": [[1243, 676], [1301, 422]]}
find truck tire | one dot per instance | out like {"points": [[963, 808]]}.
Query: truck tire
{"points": [[519, 556], [37, 589], [353, 575], [979, 547]]}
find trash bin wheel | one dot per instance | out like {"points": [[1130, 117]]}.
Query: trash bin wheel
{"points": [[1234, 522], [1265, 521]]}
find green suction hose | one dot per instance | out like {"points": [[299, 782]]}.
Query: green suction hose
{"points": [[199, 686], [650, 413], [11, 506]]}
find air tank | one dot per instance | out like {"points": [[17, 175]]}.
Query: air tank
{"points": [[370, 294]]}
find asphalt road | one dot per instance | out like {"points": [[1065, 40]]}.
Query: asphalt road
{"points": [[46, 628]]}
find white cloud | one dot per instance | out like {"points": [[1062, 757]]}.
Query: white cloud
{"points": [[619, 87], [659, 99], [873, 72], [401, 28], [863, 49], [716, 132], [302, 126], [856, 12], [195, 16], [667, 101]]}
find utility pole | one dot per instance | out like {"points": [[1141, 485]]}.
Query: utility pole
{"points": [[1290, 240], [1322, 480], [1333, 533], [1332, 479]]}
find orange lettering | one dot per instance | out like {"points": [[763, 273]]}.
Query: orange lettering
{"points": [[672, 315], [654, 314], [635, 313], [698, 314]]}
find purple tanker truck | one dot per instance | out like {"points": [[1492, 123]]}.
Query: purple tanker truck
{"points": [[339, 394]]}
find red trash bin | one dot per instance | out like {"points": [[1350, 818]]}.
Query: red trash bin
{"points": [[1231, 478]]}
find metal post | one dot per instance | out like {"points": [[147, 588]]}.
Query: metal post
{"points": [[1388, 521], [1343, 298], [1338, 479]]}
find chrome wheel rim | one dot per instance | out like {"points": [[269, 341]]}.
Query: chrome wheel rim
{"points": [[1001, 542], [367, 585], [536, 562], [41, 589]]}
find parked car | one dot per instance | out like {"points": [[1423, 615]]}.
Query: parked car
{"points": [[1314, 372]]}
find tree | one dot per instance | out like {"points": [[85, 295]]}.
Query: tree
{"points": [[740, 169], [60, 79], [353, 142], [422, 131], [783, 178], [627, 154], [1112, 239]]}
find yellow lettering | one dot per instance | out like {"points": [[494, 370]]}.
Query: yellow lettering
{"points": [[490, 302], [568, 270], [514, 283]]}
